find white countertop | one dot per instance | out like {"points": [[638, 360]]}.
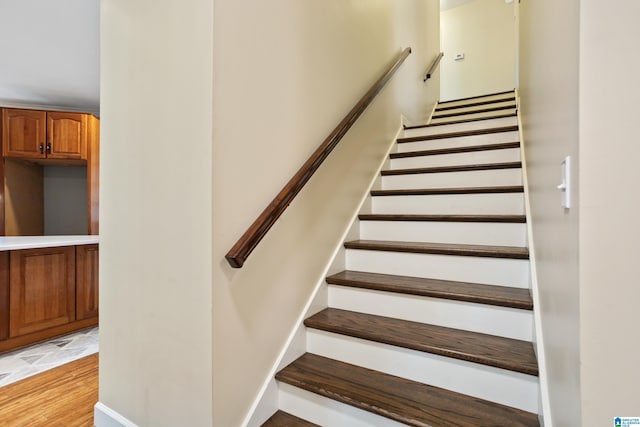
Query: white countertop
{"points": [[31, 242]]}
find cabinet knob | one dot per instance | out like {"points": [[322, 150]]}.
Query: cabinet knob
{"points": [[41, 148], [48, 148]]}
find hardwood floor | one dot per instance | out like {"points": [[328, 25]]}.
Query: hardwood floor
{"points": [[61, 397]]}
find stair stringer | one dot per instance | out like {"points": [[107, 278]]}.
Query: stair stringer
{"points": [[538, 339], [266, 402]]}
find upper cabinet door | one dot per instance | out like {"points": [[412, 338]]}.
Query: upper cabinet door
{"points": [[66, 135], [24, 133]]}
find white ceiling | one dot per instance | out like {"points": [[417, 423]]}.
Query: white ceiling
{"points": [[50, 53], [450, 4]]}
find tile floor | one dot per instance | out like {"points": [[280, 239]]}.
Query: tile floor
{"points": [[28, 361]]}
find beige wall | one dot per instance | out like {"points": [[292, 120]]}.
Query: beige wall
{"points": [[549, 45], [609, 206], [484, 30], [285, 73], [174, 315], [155, 211]]}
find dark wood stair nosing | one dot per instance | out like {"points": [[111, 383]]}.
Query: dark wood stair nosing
{"points": [[397, 398], [450, 191], [481, 251], [455, 168], [477, 293], [520, 219], [478, 96], [459, 134], [468, 112], [457, 122], [456, 150], [489, 350], [475, 104]]}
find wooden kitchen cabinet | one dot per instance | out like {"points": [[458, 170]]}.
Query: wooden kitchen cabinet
{"points": [[42, 291], [86, 281], [31, 142], [4, 295], [35, 134]]}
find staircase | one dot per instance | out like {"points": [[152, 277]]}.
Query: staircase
{"points": [[431, 324]]}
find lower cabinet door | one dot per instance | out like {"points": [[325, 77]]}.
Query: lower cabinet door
{"points": [[86, 281], [41, 288]]}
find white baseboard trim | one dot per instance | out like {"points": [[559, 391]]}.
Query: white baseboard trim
{"points": [[539, 344], [103, 416], [256, 412]]}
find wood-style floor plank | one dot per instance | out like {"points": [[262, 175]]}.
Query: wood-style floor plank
{"points": [[502, 296], [283, 419], [490, 350], [400, 399], [61, 397]]}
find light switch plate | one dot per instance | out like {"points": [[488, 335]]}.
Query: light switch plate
{"points": [[565, 186]]}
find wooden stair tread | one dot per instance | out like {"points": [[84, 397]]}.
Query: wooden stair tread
{"points": [[512, 91], [284, 419], [476, 104], [461, 190], [461, 121], [403, 400], [455, 150], [454, 168], [458, 134], [443, 218], [502, 296], [513, 252], [479, 111], [457, 122], [490, 350]]}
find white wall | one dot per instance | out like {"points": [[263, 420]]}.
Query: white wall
{"points": [[65, 200], [484, 30], [285, 73], [155, 211], [549, 64], [609, 206]]}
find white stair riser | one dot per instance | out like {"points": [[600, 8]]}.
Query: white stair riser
{"points": [[486, 319], [327, 412], [505, 96], [466, 108], [490, 271], [435, 120], [497, 385], [462, 141], [473, 233], [457, 159], [480, 124], [500, 203], [482, 178], [474, 116]]}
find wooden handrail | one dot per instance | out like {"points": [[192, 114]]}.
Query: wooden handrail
{"points": [[254, 234], [433, 66]]}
